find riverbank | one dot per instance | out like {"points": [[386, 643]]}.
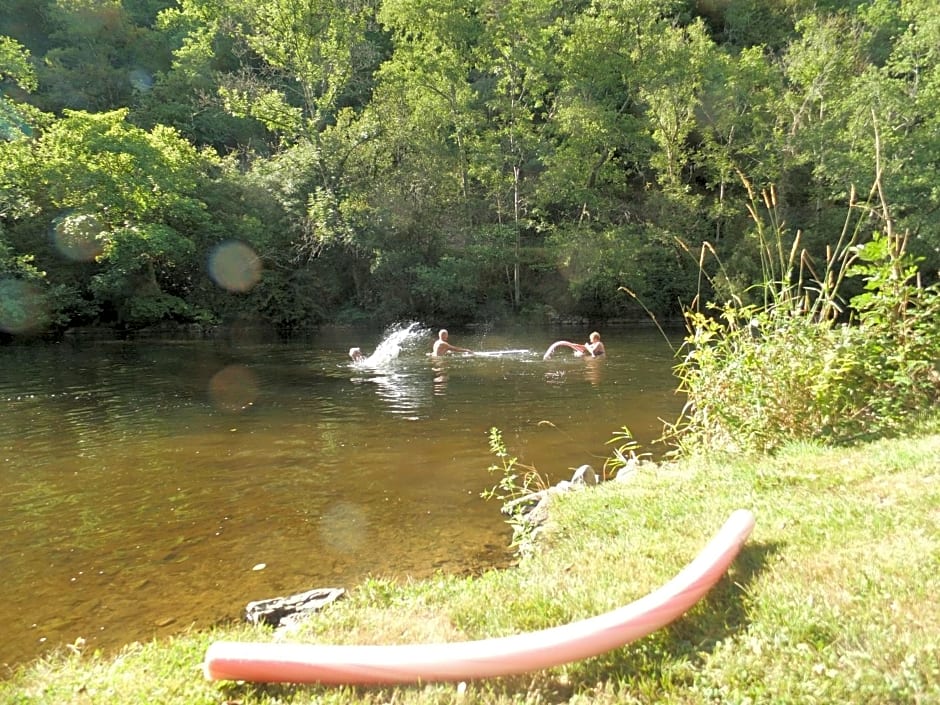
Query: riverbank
{"points": [[832, 599]]}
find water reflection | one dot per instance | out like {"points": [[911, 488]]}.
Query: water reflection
{"points": [[404, 389], [234, 388], [404, 394], [439, 368], [593, 369]]}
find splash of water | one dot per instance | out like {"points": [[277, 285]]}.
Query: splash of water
{"points": [[393, 342]]}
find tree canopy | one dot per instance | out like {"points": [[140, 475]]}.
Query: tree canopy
{"points": [[305, 161]]}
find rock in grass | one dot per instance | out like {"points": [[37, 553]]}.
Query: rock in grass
{"points": [[281, 611]]}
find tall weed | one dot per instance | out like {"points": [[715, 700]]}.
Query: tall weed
{"points": [[517, 488], [800, 363]]}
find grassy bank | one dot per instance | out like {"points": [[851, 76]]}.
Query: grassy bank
{"points": [[833, 599]]}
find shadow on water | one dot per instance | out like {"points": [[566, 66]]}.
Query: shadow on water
{"points": [[152, 485]]}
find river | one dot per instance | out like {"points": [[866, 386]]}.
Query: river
{"points": [[148, 486]]}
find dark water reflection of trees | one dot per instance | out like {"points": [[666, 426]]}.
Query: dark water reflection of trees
{"points": [[148, 486]]}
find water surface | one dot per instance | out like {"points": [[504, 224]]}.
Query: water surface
{"points": [[147, 486]]}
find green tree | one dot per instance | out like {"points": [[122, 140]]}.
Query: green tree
{"points": [[185, 96], [895, 104], [24, 303], [516, 57], [740, 119], [15, 65], [292, 63], [602, 145], [18, 76], [625, 170], [861, 106], [98, 59], [119, 204], [407, 177]]}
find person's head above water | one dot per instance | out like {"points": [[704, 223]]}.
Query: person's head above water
{"points": [[594, 345], [356, 355], [442, 347]]}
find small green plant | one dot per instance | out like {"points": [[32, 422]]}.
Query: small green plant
{"points": [[517, 484], [624, 455], [516, 480]]}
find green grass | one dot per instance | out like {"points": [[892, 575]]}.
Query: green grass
{"points": [[833, 599]]}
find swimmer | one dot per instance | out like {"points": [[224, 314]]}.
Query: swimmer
{"points": [[442, 347], [593, 348], [594, 345]]}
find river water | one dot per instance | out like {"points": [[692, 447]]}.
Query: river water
{"points": [[148, 486]]}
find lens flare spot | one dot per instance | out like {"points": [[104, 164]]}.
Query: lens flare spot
{"points": [[234, 266], [79, 237], [233, 388], [22, 307], [343, 527]]}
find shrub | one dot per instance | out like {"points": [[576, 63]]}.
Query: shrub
{"points": [[799, 366]]}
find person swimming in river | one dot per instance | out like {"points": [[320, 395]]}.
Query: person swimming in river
{"points": [[593, 348], [594, 345], [442, 347], [356, 355]]}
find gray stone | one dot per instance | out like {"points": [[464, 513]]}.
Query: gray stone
{"points": [[283, 611], [584, 475]]}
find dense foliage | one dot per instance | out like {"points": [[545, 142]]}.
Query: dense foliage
{"points": [[301, 161], [795, 368]]}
